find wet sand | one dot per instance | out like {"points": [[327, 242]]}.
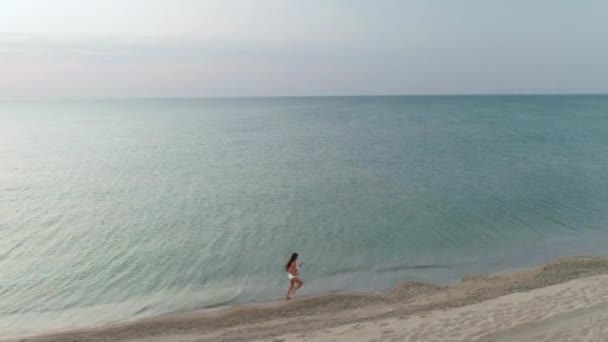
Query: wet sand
{"points": [[563, 300]]}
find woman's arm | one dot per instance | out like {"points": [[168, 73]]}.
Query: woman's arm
{"points": [[293, 268]]}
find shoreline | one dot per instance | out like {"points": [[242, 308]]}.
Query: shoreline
{"points": [[317, 313]]}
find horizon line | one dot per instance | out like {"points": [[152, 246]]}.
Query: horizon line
{"points": [[236, 97]]}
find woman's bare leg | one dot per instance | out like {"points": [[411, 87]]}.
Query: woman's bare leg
{"points": [[291, 284], [300, 283]]}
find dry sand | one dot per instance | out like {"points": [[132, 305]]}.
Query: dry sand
{"points": [[563, 301]]}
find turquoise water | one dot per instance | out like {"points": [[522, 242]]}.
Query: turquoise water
{"points": [[121, 209]]}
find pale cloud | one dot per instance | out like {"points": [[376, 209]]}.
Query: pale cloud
{"points": [[38, 48]]}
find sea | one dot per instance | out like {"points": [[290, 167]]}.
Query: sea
{"points": [[120, 209]]}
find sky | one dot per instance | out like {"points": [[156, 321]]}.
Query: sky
{"points": [[192, 48]]}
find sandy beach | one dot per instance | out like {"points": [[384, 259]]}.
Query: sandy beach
{"points": [[566, 300]]}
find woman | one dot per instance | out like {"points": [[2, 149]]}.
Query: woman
{"points": [[294, 275]]}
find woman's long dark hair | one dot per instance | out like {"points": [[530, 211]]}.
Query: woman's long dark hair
{"points": [[293, 258]]}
